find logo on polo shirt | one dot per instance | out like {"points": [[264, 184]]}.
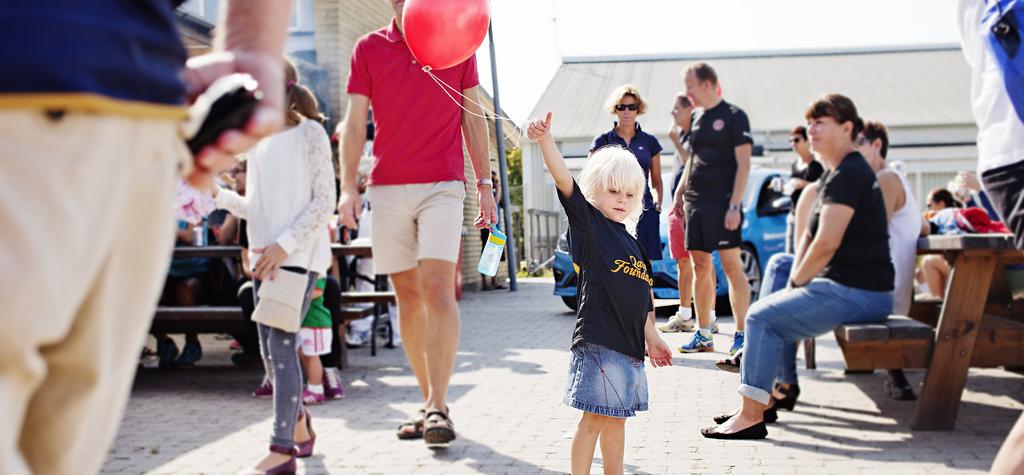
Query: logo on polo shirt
{"points": [[718, 125], [635, 268]]}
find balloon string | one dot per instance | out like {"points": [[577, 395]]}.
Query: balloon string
{"points": [[445, 87]]}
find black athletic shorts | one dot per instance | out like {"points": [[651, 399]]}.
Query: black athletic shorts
{"points": [[1005, 188], [705, 227]]}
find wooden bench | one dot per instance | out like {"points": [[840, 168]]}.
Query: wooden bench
{"points": [[379, 298], [898, 342], [903, 343], [203, 319]]}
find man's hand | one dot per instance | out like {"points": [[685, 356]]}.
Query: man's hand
{"points": [[271, 257], [349, 207], [659, 352], [732, 219], [268, 117], [488, 214]]}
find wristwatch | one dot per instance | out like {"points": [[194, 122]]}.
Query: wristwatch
{"points": [[734, 207], [485, 181]]}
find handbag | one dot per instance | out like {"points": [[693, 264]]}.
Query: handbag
{"points": [[281, 299]]}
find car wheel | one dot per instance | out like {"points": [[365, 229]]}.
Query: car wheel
{"points": [[752, 269], [570, 302]]}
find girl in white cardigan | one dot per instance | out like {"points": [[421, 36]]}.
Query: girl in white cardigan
{"points": [[288, 202]]}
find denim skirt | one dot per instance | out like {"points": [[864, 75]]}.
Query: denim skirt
{"points": [[606, 382]]}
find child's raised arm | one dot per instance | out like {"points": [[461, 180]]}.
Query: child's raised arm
{"points": [[540, 131]]}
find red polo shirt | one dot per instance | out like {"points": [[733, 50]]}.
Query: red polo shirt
{"points": [[418, 128]]}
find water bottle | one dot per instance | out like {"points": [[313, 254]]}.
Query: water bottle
{"points": [[490, 259], [199, 234]]}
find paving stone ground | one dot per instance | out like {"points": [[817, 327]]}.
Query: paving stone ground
{"points": [[505, 400]]}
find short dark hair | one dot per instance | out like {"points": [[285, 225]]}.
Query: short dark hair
{"points": [[840, 108], [874, 130], [703, 71], [799, 130], [942, 195]]}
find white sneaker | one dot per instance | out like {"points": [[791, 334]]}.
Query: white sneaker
{"points": [[678, 323]]}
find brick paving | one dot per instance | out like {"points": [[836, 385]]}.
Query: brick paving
{"points": [[506, 402]]}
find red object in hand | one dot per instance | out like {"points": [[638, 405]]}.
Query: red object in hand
{"points": [[444, 33]]}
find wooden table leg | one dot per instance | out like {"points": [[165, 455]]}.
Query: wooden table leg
{"points": [[955, 336], [809, 358]]}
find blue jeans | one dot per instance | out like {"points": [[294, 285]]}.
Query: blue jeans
{"points": [[792, 315], [776, 276]]}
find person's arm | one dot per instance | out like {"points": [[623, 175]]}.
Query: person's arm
{"points": [[891, 190], [732, 217], [831, 227], [250, 39], [353, 137], [804, 208], [184, 236], [312, 221], [540, 132], [474, 129], [228, 231], [657, 187], [926, 228], [231, 201]]}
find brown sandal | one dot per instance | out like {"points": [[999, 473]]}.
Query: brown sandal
{"points": [[438, 429], [413, 427]]}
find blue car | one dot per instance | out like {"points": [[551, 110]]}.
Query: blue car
{"points": [[764, 233]]}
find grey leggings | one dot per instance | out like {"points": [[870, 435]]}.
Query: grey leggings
{"points": [[280, 355]]}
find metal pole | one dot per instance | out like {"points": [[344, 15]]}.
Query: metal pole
{"points": [[510, 244]]}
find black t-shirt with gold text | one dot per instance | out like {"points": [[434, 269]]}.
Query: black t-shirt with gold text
{"points": [[614, 279]]}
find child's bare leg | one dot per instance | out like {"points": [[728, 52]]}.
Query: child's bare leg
{"points": [[613, 445], [314, 370], [585, 441]]}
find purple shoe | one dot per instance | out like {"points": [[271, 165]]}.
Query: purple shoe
{"points": [[332, 385], [310, 398], [265, 390], [289, 467], [305, 449]]}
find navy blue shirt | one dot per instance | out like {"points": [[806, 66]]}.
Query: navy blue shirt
{"points": [[118, 49], [614, 278], [644, 146]]}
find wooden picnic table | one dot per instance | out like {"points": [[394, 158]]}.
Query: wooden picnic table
{"points": [[976, 277], [358, 247]]}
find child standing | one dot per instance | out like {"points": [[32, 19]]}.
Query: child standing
{"points": [[615, 318], [315, 340]]}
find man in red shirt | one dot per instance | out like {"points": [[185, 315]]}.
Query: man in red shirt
{"points": [[417, 187]]}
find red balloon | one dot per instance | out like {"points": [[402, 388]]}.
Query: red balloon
{"points": [[444, 33]]}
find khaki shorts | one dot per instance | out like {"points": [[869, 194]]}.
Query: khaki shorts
{"points": [[415, 222]]}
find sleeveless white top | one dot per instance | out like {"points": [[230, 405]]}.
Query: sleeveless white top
{"points": [[904, 229]]}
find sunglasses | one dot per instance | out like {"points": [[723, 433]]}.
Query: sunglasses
{"points": [[626, 107], [796, 139]]}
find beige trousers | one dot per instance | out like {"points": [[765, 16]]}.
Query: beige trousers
{"points": [[86, 231]]}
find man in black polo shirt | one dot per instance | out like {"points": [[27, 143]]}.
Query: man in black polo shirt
{"points": [[716, 177]]}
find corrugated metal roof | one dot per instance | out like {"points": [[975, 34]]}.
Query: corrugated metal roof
{"points": [[902, 88]]}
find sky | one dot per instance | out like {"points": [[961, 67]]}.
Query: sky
{"points": [[532, 36]]}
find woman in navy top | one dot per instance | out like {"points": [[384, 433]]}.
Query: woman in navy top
{"points": [[626, 104]]}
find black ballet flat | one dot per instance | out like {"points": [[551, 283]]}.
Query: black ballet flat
{"points": [[770, 416], [754, 432]]}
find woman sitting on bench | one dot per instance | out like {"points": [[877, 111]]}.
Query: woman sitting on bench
{"points": [[843, 265]]}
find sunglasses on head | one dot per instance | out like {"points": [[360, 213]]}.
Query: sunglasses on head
{"points": [[624, 107]]}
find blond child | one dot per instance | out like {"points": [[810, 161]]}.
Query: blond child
{"points": [[615, 317]]}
